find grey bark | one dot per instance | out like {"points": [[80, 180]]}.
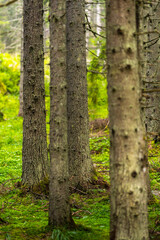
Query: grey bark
{"points": [[127, 154], [59, 206], [80, 164], [34, 154], [142, 10], [151, 77]]}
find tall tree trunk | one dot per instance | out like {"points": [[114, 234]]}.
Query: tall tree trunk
{"points": [[142, 10], [80, 164], [127, 159], [59, 207], [34, 155], [151, 82]]}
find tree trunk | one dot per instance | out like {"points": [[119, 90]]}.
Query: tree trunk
{"points": [[127, 153], [142, 10], [80, 164], [59, 207], [152, 74], [34, 155]]}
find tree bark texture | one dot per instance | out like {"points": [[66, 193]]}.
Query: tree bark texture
{"points": [[142, 10], [34, 155], [80, 164], [151, 78], [59, 207], [127, 154]]}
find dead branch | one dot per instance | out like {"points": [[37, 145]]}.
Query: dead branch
{"points": [[7, 3]]}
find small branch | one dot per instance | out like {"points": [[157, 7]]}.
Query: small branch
{"points": [[153, 156], [90, 28], [151, 90], [156, 83], [95, 33], [40, 195], [3, 33], [93, 3], [96, 72], [149, 32], [143, 106], [92, 52], [78, 190], [7, 3]]}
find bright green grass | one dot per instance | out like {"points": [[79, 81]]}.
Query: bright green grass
{"points": [[10, 141]]}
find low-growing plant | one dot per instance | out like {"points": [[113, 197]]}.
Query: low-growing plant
{"points": [[10, 72]]}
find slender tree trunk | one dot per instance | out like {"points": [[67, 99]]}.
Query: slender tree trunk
{"points": [[78, 125], [59, 207], [127, 159], [34, 155]]}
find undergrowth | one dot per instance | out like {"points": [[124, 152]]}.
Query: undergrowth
{"points": [[24, 216]]}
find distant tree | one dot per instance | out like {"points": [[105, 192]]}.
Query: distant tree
{"points": [[34, 154], [10, 26], [59, 206], [127, 153], [149, 35], [80, 164]]}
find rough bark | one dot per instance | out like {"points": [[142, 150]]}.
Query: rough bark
{"points": [[152, 75], [34, 154], [127, 153], [142, 10], [59, 207], [80, 164]]}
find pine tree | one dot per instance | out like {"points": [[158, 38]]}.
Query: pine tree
{"points": [[59, 207], [34, 154], [80, 164]]}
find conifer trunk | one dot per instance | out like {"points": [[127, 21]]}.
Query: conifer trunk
{"points": [[151, 80], [127, 153], [80, 164], [34, 154], [59, 207], [142, 10]]}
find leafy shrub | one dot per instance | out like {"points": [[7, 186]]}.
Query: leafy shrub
{"points": [[9, 73]]}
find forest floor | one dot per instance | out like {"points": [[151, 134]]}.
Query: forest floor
{"points": [[24, 216]]}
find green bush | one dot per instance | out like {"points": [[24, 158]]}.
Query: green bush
{"points": [[9, 73]]}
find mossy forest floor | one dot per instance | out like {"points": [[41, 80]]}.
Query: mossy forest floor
{"points": [[24, 215]]}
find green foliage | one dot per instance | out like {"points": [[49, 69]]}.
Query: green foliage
{"points": [[97, 86], [11, 139], [99, 146], [154, 156], [9, 73], [58, 235], [2, 88], [7, 237]]}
